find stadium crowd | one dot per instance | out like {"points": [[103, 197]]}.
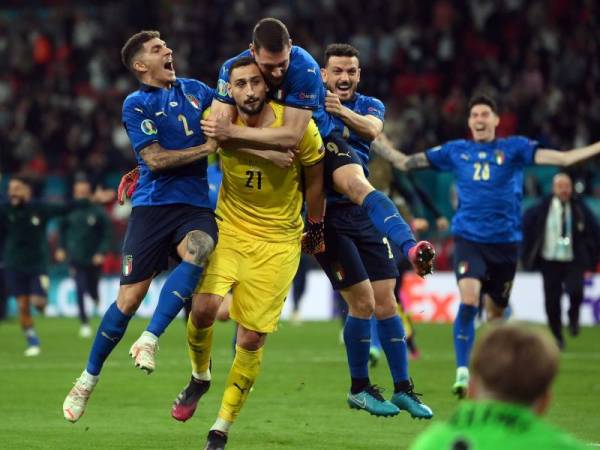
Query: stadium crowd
{"points": [[423, 59], [62, 82]]}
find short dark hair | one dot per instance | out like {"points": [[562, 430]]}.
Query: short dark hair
{"points": [[23, 178], [515, 363], [242, 62], [271, 34], [483, 99], [134, 45], [340, 50]]}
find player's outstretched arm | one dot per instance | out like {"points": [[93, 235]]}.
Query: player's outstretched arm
{"points": [[384, 148], [284, 137], [313, 241], [158, 158], [557, 158], [367, 126]]}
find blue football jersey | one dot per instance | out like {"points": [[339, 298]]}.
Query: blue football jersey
{"points": [[302, 87], [170, 117], [363, 105], [489, 184]]}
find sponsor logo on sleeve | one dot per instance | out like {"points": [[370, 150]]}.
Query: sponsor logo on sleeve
{"points": [[222, 88], [306, 96], [148, 127]]}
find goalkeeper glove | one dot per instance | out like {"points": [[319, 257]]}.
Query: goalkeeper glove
{"points": [[313, 239], [127, 185], [421, 256]]}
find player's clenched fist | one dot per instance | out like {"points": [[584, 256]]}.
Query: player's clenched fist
{"points": [[333, 105], [127, 185], [421, 256], [313, 239]]}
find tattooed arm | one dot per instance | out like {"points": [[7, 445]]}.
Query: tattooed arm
{"points": [[158, 159], [384, 148]]}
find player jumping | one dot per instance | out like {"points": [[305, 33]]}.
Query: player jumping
{"points": [[487, 224], [171, 211], [358, 259]]}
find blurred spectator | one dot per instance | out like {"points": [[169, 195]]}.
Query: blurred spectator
{"points": [[84, 240]]}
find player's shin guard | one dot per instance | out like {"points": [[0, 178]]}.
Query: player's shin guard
{"points": [[111, 330], [357, 338], [199, 347], [385, 217], [464, 333], [393, 341], [177, 290], [243, 373]]}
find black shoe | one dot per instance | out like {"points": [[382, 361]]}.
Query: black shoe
{"points": [[574, 328], [215, 440], [186, 402]]}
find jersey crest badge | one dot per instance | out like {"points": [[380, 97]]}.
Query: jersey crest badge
{"points": [[278, 94], [463, 266], [193, 100], [148, 127], [499, 157]]}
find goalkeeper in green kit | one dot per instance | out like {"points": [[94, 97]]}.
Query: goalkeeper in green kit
{"points": [[512, 370]]}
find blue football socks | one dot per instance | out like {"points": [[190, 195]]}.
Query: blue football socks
{"points": [[111, 330], [177, 290], [375, 342], [464, 333], [358, 340], [32, 338], [388, 221], [393, 341]]}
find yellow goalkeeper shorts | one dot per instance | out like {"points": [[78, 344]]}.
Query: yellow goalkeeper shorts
{"points": [[260, 274]]}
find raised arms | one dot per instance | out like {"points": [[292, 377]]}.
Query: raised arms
{"points": [[384, 148], [557, 158]]}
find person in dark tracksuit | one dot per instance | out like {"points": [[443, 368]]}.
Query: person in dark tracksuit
{"points": [[84, 239], [26, 253], [561, 237]]}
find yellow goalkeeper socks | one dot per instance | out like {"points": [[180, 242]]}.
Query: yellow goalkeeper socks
{"points": [[242, 375], [199, 347]]}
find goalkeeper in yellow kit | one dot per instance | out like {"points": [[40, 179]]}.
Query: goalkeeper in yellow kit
{"points": [[260, 230]]}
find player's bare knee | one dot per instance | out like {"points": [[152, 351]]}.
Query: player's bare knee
{"points": [[361, 307], [129, 299], [199, 246], [204, 311], [385, 310]]}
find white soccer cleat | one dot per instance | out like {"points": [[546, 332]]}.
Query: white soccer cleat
{"points": [[33, 350], [143, 351], [76, 401], [85, 331]]}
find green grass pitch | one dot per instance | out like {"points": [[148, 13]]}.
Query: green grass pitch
{"points": [[298, 401]]}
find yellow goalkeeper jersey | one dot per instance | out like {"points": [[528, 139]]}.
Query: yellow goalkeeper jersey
{"points": [[260, 199]]}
